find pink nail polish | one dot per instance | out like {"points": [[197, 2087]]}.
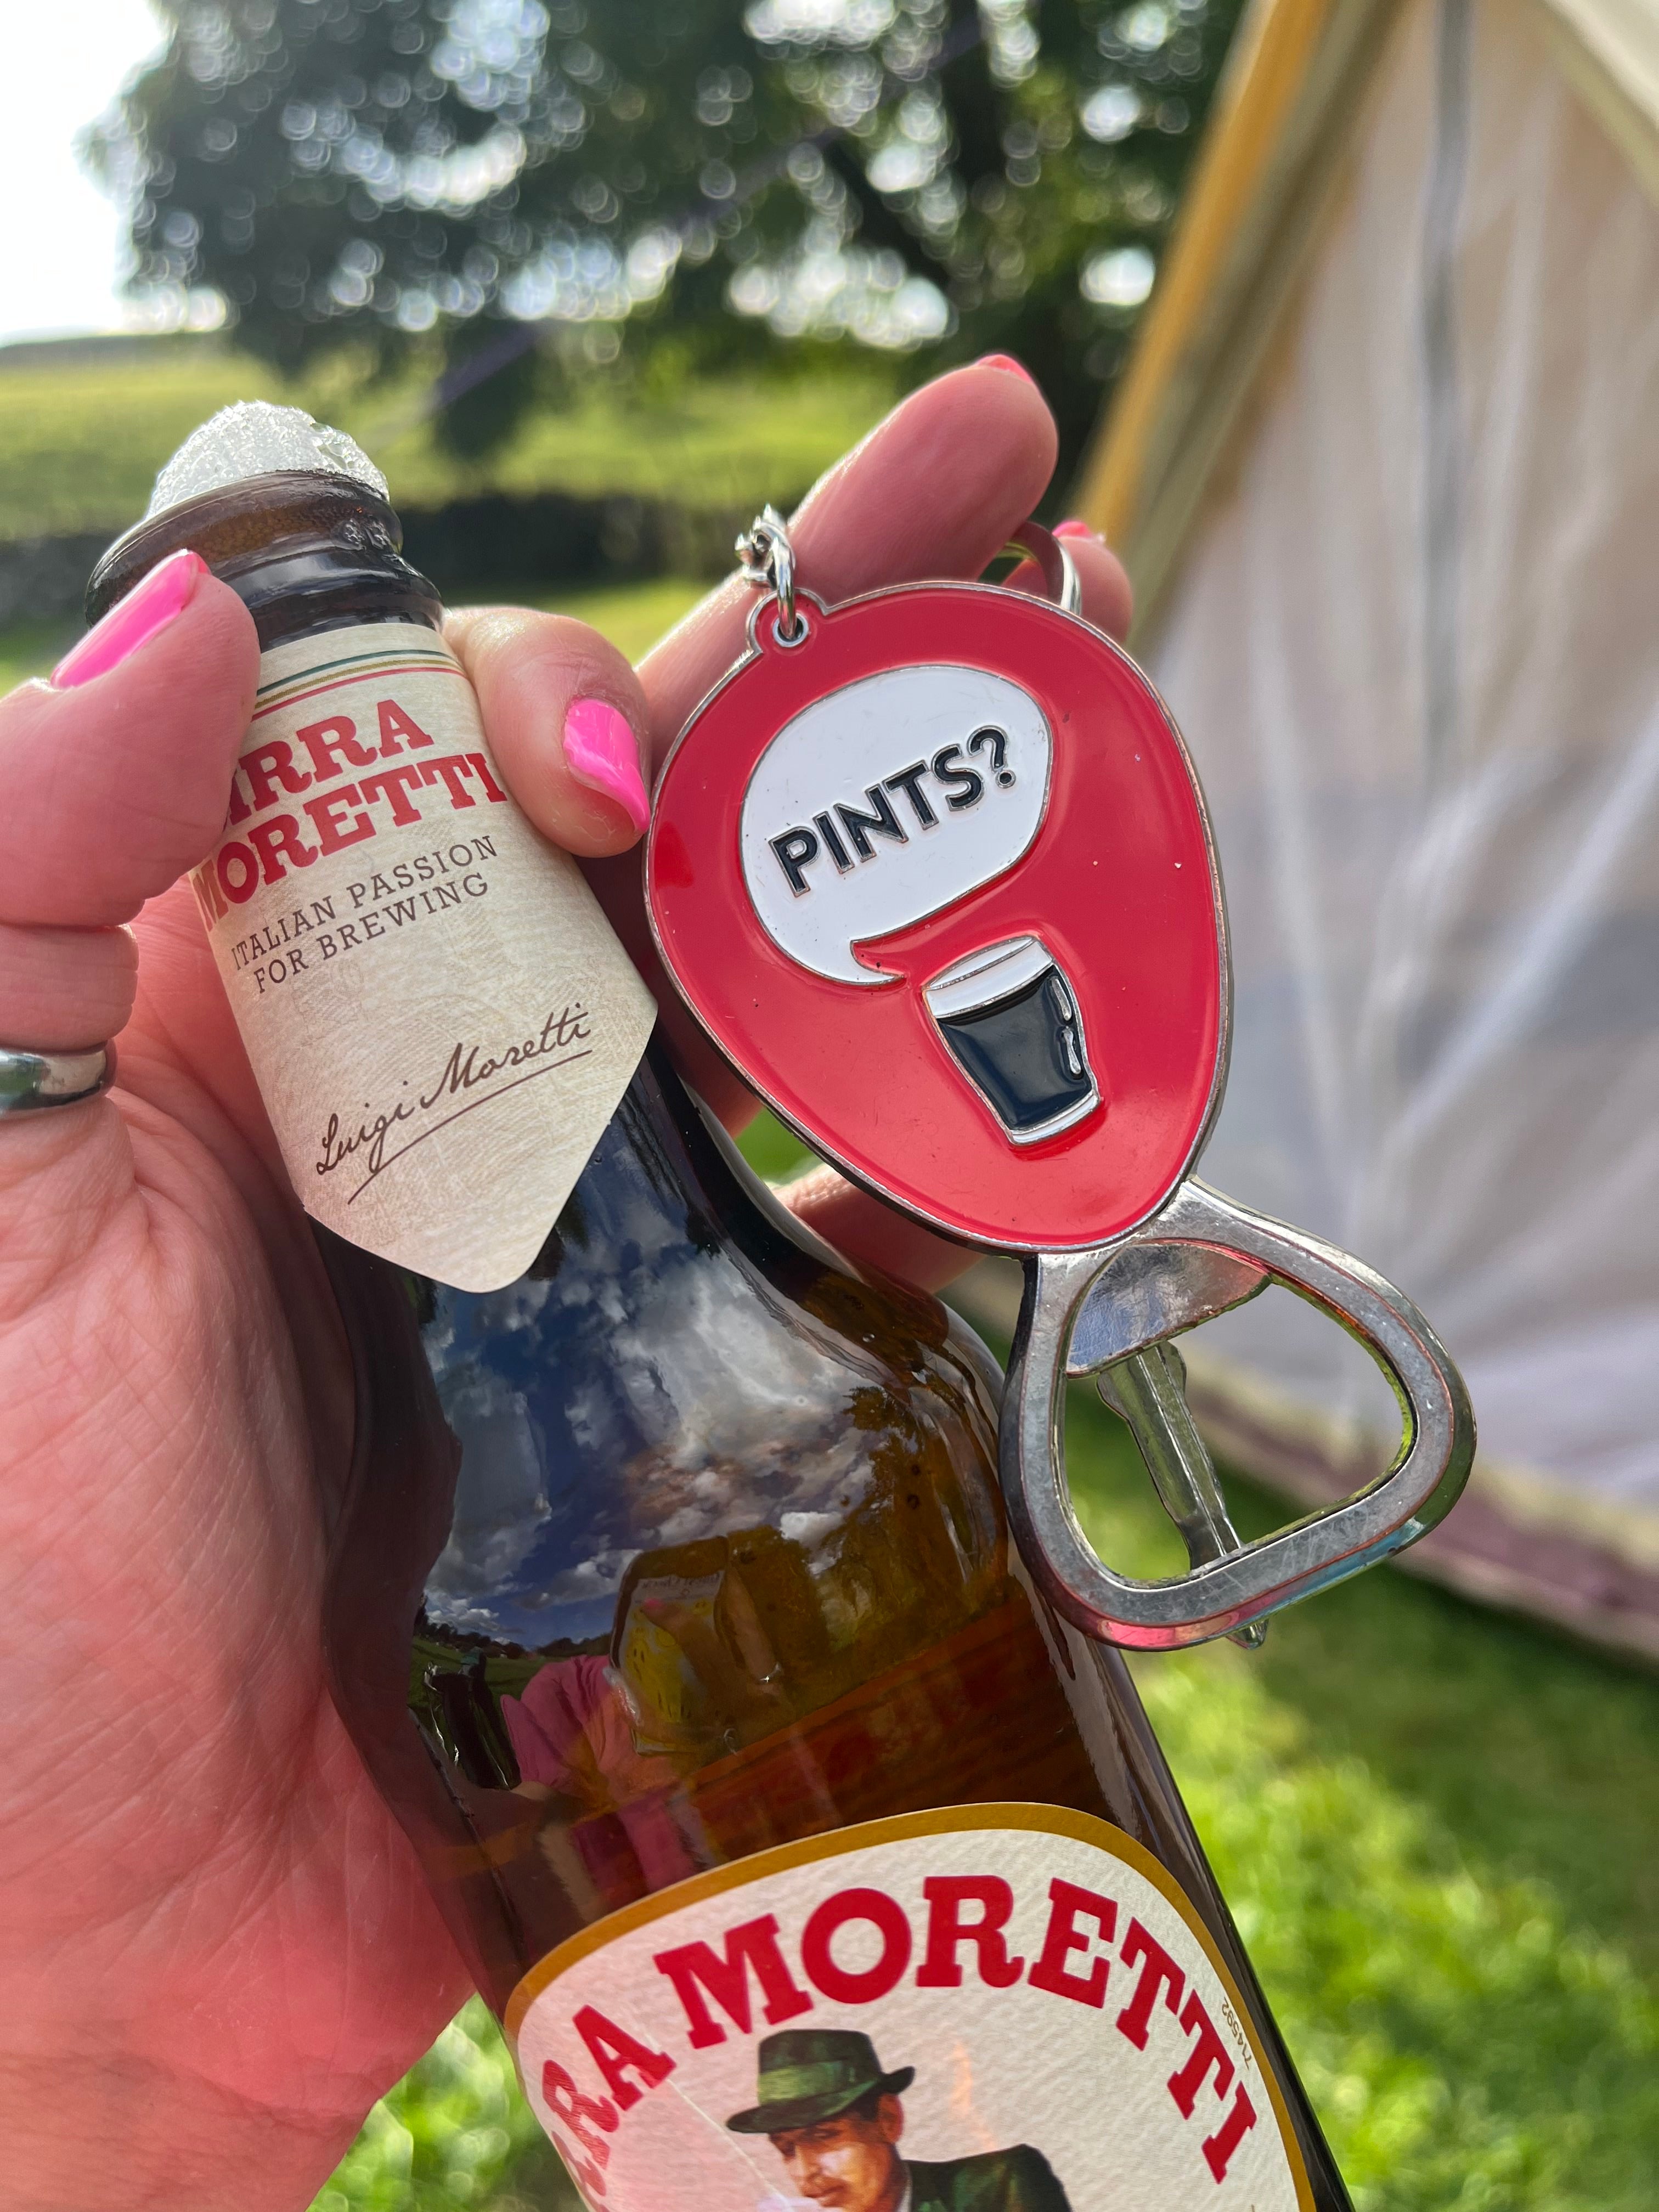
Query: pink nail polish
{"points": [[1072, 527], [148, 609], [1007, 363], [604, 753]]}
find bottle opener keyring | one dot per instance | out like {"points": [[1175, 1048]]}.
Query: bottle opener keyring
{"points": [[934, 870]]}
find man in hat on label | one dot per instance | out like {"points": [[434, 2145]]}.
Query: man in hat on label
{"points": [[835, 2118]]}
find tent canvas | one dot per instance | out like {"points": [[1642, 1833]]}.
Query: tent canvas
{"points": [[1385, 466]]}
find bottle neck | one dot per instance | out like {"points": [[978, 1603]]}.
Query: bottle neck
{"points": [[664, 1174], [305, 553], [456, 911]]}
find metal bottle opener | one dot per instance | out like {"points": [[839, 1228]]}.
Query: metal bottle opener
{"points": [[934, 870]]}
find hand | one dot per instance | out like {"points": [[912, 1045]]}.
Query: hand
{"points": [[215, 1948]]}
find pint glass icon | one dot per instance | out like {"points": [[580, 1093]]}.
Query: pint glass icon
{"points": [[1010, 1021]]}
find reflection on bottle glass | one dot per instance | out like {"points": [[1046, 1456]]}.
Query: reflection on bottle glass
{"points": [[1011, 1023]]}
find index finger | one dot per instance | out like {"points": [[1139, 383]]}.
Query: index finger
{"points": [[932, 491], [115, 783]]}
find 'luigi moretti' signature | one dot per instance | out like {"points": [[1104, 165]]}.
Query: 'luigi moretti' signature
{"points": [[563, 1038]]}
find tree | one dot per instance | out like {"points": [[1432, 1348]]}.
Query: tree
{"points": [[676, 183]]}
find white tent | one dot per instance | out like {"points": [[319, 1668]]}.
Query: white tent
{"points": [[1385, 467]]}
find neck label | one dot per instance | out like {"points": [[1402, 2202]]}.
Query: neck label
{"points": [[988, 2006], [439, 1017]]}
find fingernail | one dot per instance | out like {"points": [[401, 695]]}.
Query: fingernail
{"points": [[147, 610], [1072, 527], [603, 754], [1007, 363]]}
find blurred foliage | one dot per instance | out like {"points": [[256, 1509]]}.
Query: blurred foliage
{"points": [[632, 616], [34, 649], [1467, 2041], [455, 2132], [85, 436], [658, 187], [774, 1151], [1434, 1826]]}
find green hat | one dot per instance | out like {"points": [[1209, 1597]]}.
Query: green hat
{"points": [[810, 2074]]}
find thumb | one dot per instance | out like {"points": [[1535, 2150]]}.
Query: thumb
{"points": [[114, 778], [114, 781]]}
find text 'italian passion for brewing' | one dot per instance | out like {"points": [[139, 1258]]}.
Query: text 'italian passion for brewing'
{"points": [[274, 835]]}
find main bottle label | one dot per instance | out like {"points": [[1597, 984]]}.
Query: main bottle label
{"points": [[439, 1017], [986, 2009]]}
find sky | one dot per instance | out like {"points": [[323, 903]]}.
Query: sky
{"points": [[63, 63]]}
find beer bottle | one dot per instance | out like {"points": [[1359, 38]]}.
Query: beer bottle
{"points": [[804, 1853]]}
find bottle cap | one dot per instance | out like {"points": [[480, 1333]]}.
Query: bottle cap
{"points": [[255, 438]]}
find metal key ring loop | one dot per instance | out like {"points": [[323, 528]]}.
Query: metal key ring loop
{"points": [[767, 559], [1031, 542], [769, 563], [1202, 1254]]}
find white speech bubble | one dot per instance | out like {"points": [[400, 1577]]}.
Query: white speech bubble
{"points": [[886, 801]]}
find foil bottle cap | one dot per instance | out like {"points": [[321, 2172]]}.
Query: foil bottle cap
{"points": [[254, 438]]}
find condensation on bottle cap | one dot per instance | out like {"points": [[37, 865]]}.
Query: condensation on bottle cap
{"points": [[255, 438]]}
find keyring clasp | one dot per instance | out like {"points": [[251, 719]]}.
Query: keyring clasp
{"points": [[767, 556], [769, 563]]}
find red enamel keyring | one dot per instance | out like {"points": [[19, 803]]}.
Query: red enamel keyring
{"points": [[932, 868]]}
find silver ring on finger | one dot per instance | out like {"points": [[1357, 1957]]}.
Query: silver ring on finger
{"points": [[33, 1082]]}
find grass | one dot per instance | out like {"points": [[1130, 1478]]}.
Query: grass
{"points": [[456, 2131], [1434, 1828], [30, 648], [65, 468], [632, 616]]}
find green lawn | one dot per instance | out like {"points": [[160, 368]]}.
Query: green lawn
{"points": [[66, 468], [632, 616], [1437, 1828], [30, 648]]}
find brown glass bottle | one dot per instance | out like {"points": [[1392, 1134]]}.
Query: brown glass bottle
{"points": [[688, 1543]]}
